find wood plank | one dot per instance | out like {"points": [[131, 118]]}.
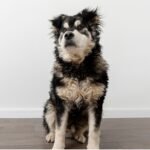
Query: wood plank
{"points": [[116, 134]]}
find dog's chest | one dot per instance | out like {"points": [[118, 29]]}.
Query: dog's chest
{"points": [[75, 90]]}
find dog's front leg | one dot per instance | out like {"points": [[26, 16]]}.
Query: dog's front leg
{"points": [[94, 128], [61, 124]]}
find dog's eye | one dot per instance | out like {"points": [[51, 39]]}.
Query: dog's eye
{"points": [[79, 27]]}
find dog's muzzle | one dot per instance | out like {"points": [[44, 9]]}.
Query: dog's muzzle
{"points": [[69, 36]]}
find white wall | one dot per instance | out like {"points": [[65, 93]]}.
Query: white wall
{"points": [[26, 54]]}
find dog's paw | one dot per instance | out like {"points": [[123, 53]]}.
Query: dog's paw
{"points": [[93, 146], [58, 146], [50, 137], [80, 138]]}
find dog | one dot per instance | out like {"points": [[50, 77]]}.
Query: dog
{"points": [[79, 82]]}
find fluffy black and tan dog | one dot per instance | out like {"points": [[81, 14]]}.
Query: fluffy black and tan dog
{"points": [[79, 82]]}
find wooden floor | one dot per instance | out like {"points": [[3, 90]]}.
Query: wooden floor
{"points": [[116, 134]]}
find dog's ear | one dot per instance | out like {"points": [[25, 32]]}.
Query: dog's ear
{"points": [[90, 16], [57, 23]]}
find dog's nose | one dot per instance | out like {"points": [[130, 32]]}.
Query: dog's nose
{"points": [[69, 35]]}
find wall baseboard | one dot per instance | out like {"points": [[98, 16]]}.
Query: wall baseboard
{"points": [[21, 112], [108, 112], [126, 112]]}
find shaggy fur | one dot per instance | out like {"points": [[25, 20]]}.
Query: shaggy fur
{"points": [[79, 82]]}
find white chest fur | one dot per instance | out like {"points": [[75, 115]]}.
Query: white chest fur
{"points": [[73, 90]]}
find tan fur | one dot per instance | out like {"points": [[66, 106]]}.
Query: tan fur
{"points": [[50, 119], [77, 23], [60, 132], [57, 70], [73, 90], [66, 25], [94, 133], [75, 55]]}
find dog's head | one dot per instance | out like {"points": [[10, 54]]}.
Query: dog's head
{"points": [[76, 36]]}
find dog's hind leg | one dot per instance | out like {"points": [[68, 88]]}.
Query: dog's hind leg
{"points": [[49, 117], [79, 134]]}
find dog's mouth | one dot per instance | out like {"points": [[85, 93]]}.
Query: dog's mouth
{"points": [[70, 43]]}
